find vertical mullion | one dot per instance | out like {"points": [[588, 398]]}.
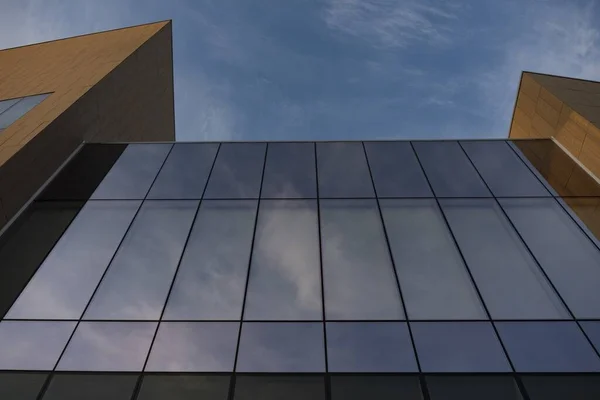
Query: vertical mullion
{"points": [[187, 239], [237, 348], [387, 241], [326, 377]]}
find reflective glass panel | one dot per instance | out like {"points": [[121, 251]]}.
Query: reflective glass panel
{"points": [[91, 387], [529, 164], [64, 283], [472, 388], [510, 281], [237, 171], [138, 280], [357, 270], [194, 347], [133, 173], [343, 170], [557, 387], [369, 347], [434, 281], [556, 241], [285, 277], [548, 347], [281, 347], [364, 387], [21, 385], [286, 387], [6, 104], [449, 170], [211, 280], [108, 346], [19, 109], [290, 171], [592, 330], [184, 387], [32, 345], [458, 347], [502, 170], [185, 172], [396, 171]]}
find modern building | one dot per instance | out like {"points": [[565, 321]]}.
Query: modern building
{"points": [[330, 270]]}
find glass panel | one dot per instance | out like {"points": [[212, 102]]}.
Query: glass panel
{"points": [[458, 347], [285, 278], [449, 170], [281, 347], [138, 280], [21, 385], [369, 347], [108, 346], [358, 273], [290, 171], [510, 282], [185, 172], [433, 278], [194, 346], [375, 387], [82, 175], [32, 345], [6, 104], [64, 283], [502, 170], [237, 171], [279, 387], [91, 387], [133, 173], [558, 387], [26, 243], [343, 170], [184, 387], [548, 347], [19, 109], [531, 167], [396, 171], [211, 280], [585, 211], [592, 330], [473, 388], [556, 241]]}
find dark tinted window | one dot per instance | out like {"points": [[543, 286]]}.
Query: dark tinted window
{"points": [[21, 385], [472, 388], [396, 171], [364, 387], [91, 387], [290, 171], [184, 387], [343, 170], [558, 387], [279, 387]]}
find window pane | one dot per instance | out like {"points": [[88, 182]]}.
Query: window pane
{"points": [[281, 347], [343, 170], [237, 171], [527, 162], [592, 330], [396, 171], [19, 109], [194, 347], [108, 346], [548, 347], [556, 241], [212, 277], [510, 282], [91, 387], [138, 280], [285, 277], [449, 170], [473, 388], [185, 172], [458, 347], [31, 345], [25, 244], [503, 171], [6, 104], [433, 278], [375, 387], [358, 273], [290, 171], [585, 211], [133, 173], [369, 347], [184, 387], [279, 387], [21, 385], [82, 175], [64, 283], [556, 387]]}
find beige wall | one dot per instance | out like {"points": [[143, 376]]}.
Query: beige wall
{"points": [[110, 86]]}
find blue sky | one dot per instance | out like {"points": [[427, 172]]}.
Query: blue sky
{"points": [[340, 69]]}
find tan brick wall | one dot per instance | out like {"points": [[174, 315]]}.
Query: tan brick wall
{"points": [[110, 86]]}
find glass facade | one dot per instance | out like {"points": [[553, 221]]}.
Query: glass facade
{"points": [[330, 270], [13, 109]]}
